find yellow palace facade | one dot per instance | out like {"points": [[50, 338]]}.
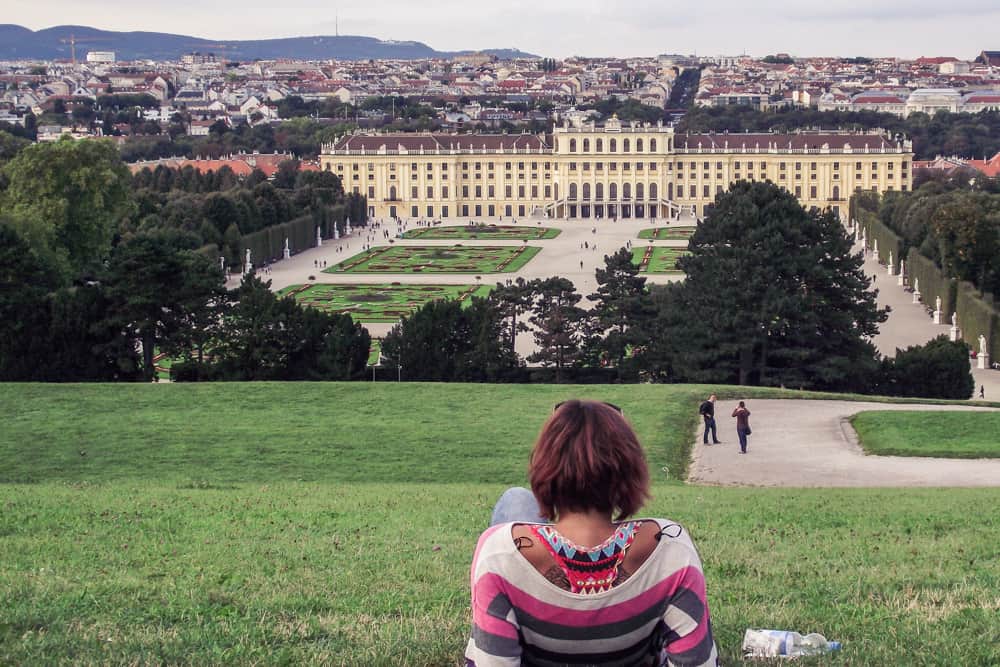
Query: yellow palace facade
{"points": [[615, 170]]}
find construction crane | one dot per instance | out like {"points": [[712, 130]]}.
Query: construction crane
{"points": [[72, 43]]}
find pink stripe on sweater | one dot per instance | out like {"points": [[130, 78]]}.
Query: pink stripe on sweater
{"points": [[692, 639], [611, 614], [492, 624]]}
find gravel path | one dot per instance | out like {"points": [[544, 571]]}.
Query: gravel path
{"points": [[811, 443]]}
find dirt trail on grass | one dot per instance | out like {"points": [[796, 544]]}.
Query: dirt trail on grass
{"points": [[811, 443]]}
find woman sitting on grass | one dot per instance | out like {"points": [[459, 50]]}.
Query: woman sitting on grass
{"points": [[590, 588]]}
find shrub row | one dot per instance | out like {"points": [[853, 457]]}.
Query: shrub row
{"points": [[933, 283], [978, 315], [888, 240]]}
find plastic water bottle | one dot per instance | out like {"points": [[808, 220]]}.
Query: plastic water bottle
{"points": [[784, 644]]}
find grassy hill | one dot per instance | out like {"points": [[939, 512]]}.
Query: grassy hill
{"points": [[334, 524]]}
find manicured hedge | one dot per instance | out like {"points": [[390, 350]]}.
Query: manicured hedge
{"points": [[978, 315], [888, 240], [933, 283]]}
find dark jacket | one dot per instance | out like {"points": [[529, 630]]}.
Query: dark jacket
{"points": [[707, 410]]}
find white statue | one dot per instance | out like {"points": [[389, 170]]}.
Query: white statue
{"points": [[937, 310], [954, 333], [222, 264], [247, 264], [983, 360], [287, 252], [319, 238], [890, 267], [347, 227], [916, 290], [937, 304], [982, 344]]}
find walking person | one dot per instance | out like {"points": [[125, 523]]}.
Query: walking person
{"points": [[742, 416], [707, 412]]}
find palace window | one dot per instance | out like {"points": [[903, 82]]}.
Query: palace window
{"points": [[572, 145], [600, 145], [614, 145], [626, 146], [430, 192], [413, 192], [652, 145], [638, 145], [586, 145]]}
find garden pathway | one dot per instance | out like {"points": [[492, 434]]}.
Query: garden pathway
{"points": [[810, 443], [910, 324]]}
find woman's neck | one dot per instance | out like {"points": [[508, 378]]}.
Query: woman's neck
{"points": [[587, 529]]}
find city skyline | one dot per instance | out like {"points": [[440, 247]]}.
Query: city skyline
{"points": [[562, 29]]}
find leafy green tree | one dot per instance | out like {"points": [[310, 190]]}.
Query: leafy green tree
{"points": [[622, 313], [937, 369], [25, 283], [266, 337], [159, 294], [559, 323], [774, 296], [66, 199], [512, 302]]}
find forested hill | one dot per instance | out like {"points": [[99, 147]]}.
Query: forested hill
{"points": [[18, 42]]}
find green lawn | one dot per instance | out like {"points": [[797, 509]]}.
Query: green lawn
{"points": [[486, 232], [437, 259], [375, 352], [657, 259], [383, 302], [960, 435], [312, 523], [667, 233]]}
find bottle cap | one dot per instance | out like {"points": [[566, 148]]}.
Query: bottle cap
{"points": [[834, 646]]}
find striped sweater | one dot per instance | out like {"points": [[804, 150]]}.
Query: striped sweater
{"points": [[658, 616]]}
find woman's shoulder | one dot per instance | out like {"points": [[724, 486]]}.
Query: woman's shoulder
{"points": [[674, 540]]}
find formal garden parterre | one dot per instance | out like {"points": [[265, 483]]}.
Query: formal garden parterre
{"points": [[438, 259], [657, 259], [667, 233], [383, 302], [484, 232]]}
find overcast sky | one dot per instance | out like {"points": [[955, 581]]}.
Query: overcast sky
{"points": [[560, 28]]}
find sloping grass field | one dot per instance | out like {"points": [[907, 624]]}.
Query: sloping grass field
{"points": [[315, 523]]}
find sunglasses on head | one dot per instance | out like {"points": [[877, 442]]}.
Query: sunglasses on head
{"points": [[610, 405]]}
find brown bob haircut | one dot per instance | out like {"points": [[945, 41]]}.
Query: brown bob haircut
{"points": [[587, 457]]}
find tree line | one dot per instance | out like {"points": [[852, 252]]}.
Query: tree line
{"points": [[218, 208], [98, 274], [952, 220]]}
